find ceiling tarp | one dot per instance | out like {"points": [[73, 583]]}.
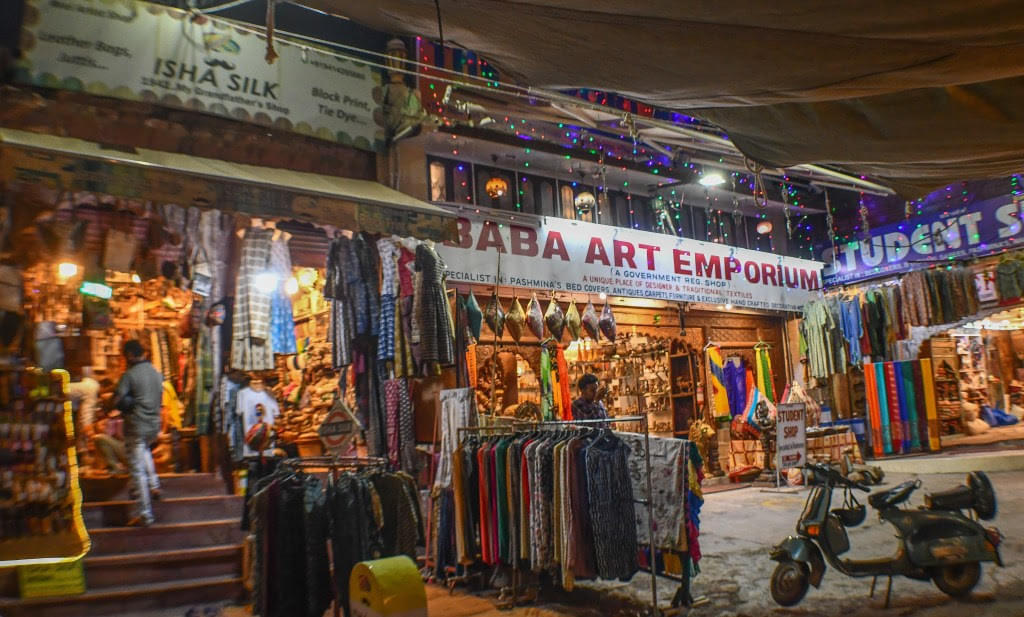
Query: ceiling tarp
{"points": [[918, 92]]}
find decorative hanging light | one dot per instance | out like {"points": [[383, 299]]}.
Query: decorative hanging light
{"points": [[496, 187], [584, 202], [765, 227]]}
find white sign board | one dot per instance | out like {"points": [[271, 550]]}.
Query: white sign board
{"points": [[146, 52], [791, 435], [574, 256]]}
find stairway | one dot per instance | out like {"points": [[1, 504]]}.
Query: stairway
{"points": [[191, 556]]}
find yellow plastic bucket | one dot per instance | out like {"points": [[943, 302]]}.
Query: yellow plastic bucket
{"points": [[390, 586]]}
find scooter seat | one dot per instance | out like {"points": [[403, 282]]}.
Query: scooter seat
{"points": [[959, 498], [883, 500]]}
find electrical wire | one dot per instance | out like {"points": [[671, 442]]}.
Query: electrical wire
{"points": [[223, 7]]}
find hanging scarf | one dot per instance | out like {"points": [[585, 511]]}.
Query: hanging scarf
{"points": [[546, 394], [716, 365], [563, 383], [764, 373]]}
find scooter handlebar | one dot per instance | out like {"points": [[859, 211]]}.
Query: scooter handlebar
{"points": [[837, 478]]}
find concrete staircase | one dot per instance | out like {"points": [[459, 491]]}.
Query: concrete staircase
{"points": [[191, 556]]}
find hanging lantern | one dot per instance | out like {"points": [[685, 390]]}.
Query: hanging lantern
{"points": [[764, 227], [496, 187], [584, 202]]}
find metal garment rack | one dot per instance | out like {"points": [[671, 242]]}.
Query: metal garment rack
{"points": [[649, 502], [333, 465]]}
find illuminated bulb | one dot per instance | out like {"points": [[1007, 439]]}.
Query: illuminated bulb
{"points": [[265, 282], [602, 295], [728, 306], [711, 179], [291, 286], [66, 270], [136, 278]]}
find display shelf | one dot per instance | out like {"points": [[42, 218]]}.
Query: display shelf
{"points": [[41, 515]]}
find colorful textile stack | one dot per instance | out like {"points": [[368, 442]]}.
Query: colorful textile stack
{"points": [[902, 415]]}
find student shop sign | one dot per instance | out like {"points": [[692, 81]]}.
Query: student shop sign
{"points": [[146, 52], [973, 230], [579, 257]]}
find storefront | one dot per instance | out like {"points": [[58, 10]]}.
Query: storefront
{"points": [[913, 345], [643, 312], [100, 252]]}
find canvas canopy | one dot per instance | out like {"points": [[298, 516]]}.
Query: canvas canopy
{"points": [[916, 93]]}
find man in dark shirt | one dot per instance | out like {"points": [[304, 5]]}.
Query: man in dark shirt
{"points": [[589, 406], [139, 396]]}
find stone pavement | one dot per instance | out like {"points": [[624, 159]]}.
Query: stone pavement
{"points": [[739, 527]]}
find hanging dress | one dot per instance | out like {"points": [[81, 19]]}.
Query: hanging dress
{"points": [[436, 342]]}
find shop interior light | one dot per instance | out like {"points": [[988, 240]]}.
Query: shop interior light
{"points": [[98, 290], [307, 277], [712, 178], [291, 286], [66, 270], [728, 306], [602, 295], [764, 227], [265, 282], [136, 278]]}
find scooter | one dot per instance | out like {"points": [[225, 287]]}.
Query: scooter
{"points": [[936, 541]]}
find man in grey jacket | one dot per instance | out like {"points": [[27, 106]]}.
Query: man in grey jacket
{"points": [[139, 396]]}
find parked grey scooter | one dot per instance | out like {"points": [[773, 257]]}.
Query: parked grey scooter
{"points": [[937, 541]]}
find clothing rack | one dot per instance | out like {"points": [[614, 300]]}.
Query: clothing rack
{"points": [[333, 465], [649, 502]]}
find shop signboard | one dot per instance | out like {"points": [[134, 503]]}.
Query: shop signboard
{"points": [[972, 230], [338, 428], [146, 52], [586, 258], [790, 435]]}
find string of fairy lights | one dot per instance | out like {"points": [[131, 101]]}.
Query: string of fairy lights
{"points": [[620, 150]]}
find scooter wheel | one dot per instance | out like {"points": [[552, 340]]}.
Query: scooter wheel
{"points": [[789, 583], [957, 580]]}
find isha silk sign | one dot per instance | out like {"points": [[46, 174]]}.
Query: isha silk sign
{"points": [[580, 257], [139, 51], [973, 230]]}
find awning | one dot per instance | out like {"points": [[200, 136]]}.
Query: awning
{"points": [[71, 164]]}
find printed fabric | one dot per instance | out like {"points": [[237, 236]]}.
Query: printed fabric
{"points": [[250, 340], [719, 396], [282, 322]]}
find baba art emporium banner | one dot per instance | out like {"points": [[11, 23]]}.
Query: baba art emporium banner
{"points": [[139, 51], [579, 257], [973, 230]]}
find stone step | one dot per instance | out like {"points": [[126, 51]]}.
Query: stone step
{"points": [[165, 536], [145, 568], [115, 488], [167, 510], [129, 599], [107, 571]]}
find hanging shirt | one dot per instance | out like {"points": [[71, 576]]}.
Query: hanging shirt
{"points": [[247, 406]]}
